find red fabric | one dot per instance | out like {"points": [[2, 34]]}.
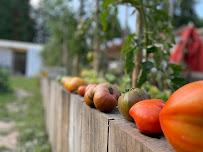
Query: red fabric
{"points": [[194, 56]]}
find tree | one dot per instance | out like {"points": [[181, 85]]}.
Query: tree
{"points": [[61, 24], [15, 20], [185, 13]]}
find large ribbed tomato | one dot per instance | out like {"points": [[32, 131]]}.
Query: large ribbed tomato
{"points": [[182, 118]]}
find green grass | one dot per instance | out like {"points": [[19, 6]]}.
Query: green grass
{"points": [[3, 148], [30, 121]]}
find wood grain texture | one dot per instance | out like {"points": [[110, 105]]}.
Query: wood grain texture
{"points": [[75, 123], [58, 101], [46, 99], [125, 137], [95, 129], [65, 120], [52, 115]]}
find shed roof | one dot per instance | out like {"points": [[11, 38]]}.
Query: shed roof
{"points": [[19, 45]]}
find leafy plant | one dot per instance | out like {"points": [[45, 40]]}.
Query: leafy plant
{"points": [[4, 79], [155, 92], [155, 39]]}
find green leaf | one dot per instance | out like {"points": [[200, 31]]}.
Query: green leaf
{"points": [[177, 82], [106, 3], [172, 37], [129, 60], [175, 67], [158, 57], [116, 10], [134, 2], [138, 42], [146, 69], [179, 1], [174, 75], [103, 18], [152, 49], [133, 12], [127, 43]]}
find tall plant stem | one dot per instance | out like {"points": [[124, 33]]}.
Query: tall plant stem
{"points": [[144, 21], [141, 21], [138, 57], [96, 58]]}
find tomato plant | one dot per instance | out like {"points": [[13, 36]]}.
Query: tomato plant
{"points": [[182, 118], [154, 35]]}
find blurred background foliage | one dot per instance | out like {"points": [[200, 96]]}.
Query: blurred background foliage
{"points": [[63, 29], [4, 80], [16, 22]]}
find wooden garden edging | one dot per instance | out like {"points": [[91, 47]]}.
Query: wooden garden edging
{"points": [[72, 126]]}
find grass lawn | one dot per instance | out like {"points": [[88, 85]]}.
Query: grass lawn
{"points": [[28, 115]]}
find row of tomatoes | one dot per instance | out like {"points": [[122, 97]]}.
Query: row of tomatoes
{"points": [[180, 119]]}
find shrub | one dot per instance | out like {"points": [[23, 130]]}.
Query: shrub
{"points": [[4, 79]]}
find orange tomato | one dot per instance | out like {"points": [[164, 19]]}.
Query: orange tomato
{"points": [[74, 83], [65, 80], [146, 115], [182, 118]]}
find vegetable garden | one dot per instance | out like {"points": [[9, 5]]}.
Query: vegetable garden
{"points": [[142, 109]]}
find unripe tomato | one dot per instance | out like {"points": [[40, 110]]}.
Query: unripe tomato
{"points": [[128, 99]]}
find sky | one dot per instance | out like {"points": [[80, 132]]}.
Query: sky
{"points": [[131, 19]]}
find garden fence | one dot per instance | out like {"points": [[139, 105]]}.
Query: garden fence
{"points": [[73, 126]]}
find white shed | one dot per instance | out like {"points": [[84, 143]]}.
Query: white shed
{"points": [[20, 57]]}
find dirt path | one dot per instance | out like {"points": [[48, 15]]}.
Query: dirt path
{"points": [[8, 133], [8, 137]]}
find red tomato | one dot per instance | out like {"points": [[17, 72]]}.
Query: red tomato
{"points": [[146, 115], [105, 97], [182, 118], [81, 90], [89, 94]]}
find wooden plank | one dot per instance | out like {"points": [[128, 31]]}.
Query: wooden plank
{"points": [[52, 115], [58, 101], [125, 137], [75, 123], [95, 128], [65, 120], [47, 102], [99, 129], [87, 146]]}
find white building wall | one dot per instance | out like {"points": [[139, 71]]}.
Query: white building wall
{"points": [[6, 58], [33, 62]]}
